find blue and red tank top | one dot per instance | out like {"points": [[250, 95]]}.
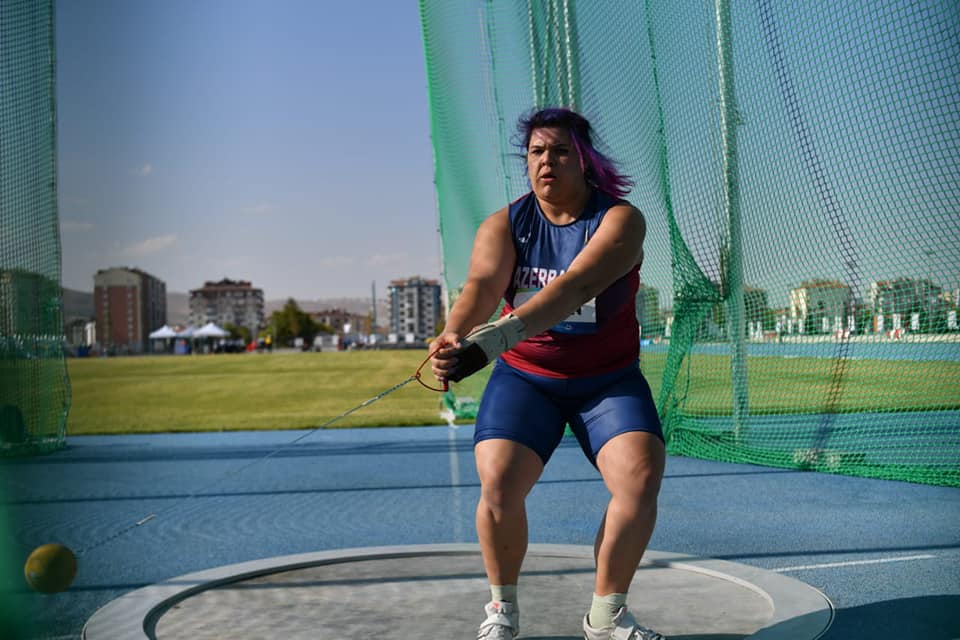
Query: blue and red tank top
{"points": [[602, 335]]}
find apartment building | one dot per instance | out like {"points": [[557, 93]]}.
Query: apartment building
{"points": [[29, 304], [415, 307], [128, 305], [342, 321], [234, 302], [904, 295], [918, 303], [820, 306]]}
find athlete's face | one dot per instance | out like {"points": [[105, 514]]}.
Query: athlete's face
{"points": [[553, 164]]}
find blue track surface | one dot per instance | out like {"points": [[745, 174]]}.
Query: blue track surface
{"points": [[886, 553]]}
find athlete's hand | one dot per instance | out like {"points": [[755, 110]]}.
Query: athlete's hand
{"points": [[444, 357], [483, 345]]}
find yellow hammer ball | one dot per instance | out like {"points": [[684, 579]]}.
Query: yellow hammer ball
{"points": [[50, 568]]}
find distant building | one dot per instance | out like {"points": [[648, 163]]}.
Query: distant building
{"points": [[78, 318], [903, 295], [234, 302], [129, 304], [666, 318], [920, 301], [29, 304], [648, 311], [756, 315], [76, 332], [415, 307], [340, 319], [820, 306], [756, 304]]}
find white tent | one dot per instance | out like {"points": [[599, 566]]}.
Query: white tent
{"points": [[161, 339], [162, 333], [188, 332], [210, 330]]}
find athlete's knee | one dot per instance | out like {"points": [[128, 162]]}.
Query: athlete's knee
{"points": [[499, 500], [507, 470], [633, 475], [500, 488], [640, 484]]}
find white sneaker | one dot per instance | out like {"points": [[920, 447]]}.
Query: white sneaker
{"points": [[502, 623], [624, 627]]}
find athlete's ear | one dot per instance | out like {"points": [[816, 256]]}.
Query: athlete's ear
{"points": [[590, 176]]}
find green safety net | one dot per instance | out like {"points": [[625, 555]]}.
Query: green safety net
{"points": [[34, 388], [798, 167]]}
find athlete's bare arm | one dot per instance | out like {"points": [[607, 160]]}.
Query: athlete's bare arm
{"points": [[491, 266]]}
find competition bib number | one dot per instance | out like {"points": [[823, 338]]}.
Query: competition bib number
{"points": [[583, 320]]}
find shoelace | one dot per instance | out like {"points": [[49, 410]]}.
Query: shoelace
{"points": [[495, 629], [643, 633]]}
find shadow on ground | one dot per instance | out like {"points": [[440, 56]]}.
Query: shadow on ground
{"points": [[925, 618], [709, 636]]}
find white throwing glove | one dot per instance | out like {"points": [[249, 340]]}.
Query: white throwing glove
{"points": [[485, 344]]}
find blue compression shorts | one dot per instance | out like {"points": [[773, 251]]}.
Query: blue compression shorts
{"points": [[534, 410]]}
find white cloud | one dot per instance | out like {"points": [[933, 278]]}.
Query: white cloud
{"points": [[229, 264], [144, 171], [261, 209], [149, 246], [75, 226], [388, 259], [334, 262]]}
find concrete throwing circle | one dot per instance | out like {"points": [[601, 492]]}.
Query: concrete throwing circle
{"points": [[402, 592]]}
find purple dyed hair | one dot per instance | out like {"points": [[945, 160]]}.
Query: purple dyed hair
{"points": [[598, 169]]}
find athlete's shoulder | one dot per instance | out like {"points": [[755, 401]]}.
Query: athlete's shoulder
{"points": [[497, 224], [625, 221], [627, 215], [617, 211], [622, 207], [606, 201]]}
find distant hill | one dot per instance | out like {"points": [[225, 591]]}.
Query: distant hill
{"points": [[359, 306], [178, 308], [79, 304], [353, 305]]}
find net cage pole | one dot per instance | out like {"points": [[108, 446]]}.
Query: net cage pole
{"points": [[733, 267], [554, 65]]}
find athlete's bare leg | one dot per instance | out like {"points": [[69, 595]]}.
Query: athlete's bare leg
{"points": [[508, 470], [632, 466]]}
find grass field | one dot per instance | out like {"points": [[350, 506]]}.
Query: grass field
{"points": [[803, 385], [246, 391], [304, 390]]}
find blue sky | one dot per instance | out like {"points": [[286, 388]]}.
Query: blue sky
{"points": [[288, 143], [283, 144]]}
